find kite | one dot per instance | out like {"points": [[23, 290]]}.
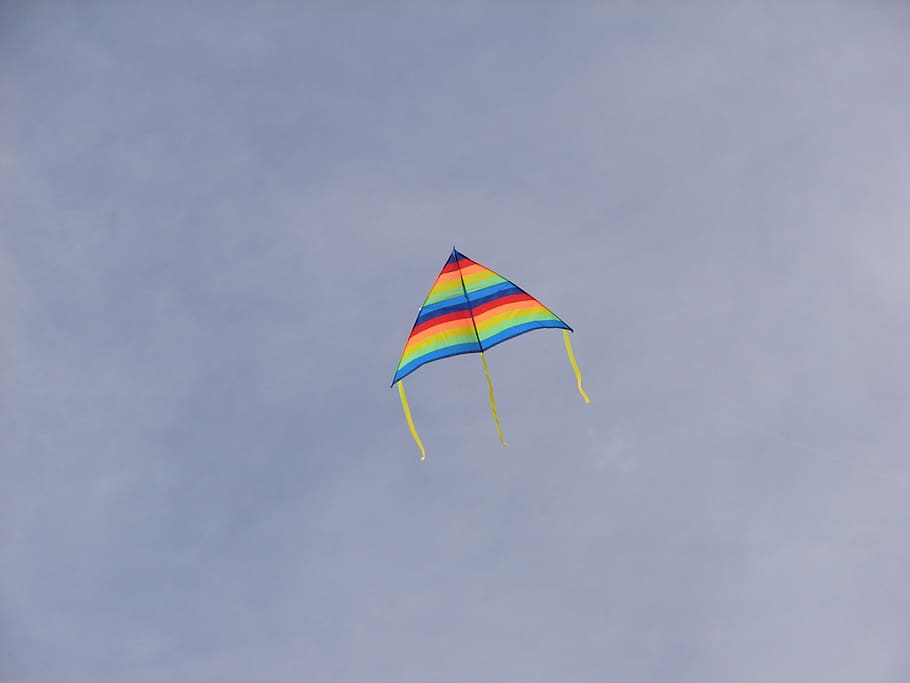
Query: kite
{"points": [[471, 309]]}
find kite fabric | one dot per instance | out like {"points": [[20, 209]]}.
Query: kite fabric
{"points": [[470, 309]]}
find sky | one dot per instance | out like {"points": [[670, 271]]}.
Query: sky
{"points": [[217, 223]]}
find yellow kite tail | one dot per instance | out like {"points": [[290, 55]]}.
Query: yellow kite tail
{"points": [[407, 415], [486, 371], [575, 366]]}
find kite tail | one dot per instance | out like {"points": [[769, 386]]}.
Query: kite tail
{"points": [[486, 371], [575, 366], [407, 415]]}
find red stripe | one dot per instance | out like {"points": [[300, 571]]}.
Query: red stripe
{"points": [[440, 332], [496, 303], [462, 262], [449, 317]]}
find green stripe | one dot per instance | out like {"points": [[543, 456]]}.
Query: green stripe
{"points": [[439, 343], [450, 292], [486, 282], [486, 333]]}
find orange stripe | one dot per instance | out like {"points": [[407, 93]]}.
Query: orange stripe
{"points": [[437, 330], [475, 268], [447, 318], [514, 307], [501, 301], [445, 278], [510, 319]]}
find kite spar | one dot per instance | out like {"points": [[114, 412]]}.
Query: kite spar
{"points": [[470, 309]]}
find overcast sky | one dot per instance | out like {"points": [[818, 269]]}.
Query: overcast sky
{"points": [[217, 222]]}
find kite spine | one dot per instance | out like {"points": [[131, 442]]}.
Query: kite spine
{"points": [[483, 358]]}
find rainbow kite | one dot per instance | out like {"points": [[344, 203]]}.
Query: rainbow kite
{"points": [[471, 309]]}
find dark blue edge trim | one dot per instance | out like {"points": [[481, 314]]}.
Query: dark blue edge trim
{"points": [[542, 327], [397, 379]]}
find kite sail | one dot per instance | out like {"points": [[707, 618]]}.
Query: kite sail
{"points": [[471, 309]]}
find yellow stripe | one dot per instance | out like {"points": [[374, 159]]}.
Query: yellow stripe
{"points": [[407, 415], [434, 335], [486, 371], [495, 324], [460, 326], [473, 269], [444, 290], [575, 366], [482, 280], [441, 341]]}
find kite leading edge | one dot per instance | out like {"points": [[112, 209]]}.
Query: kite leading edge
{"points": [[470, 309]]}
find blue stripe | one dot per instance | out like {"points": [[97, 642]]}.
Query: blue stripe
{"points": [[457, 302], [456, 350], [445, 307], [486, 294], [521, 329]]}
